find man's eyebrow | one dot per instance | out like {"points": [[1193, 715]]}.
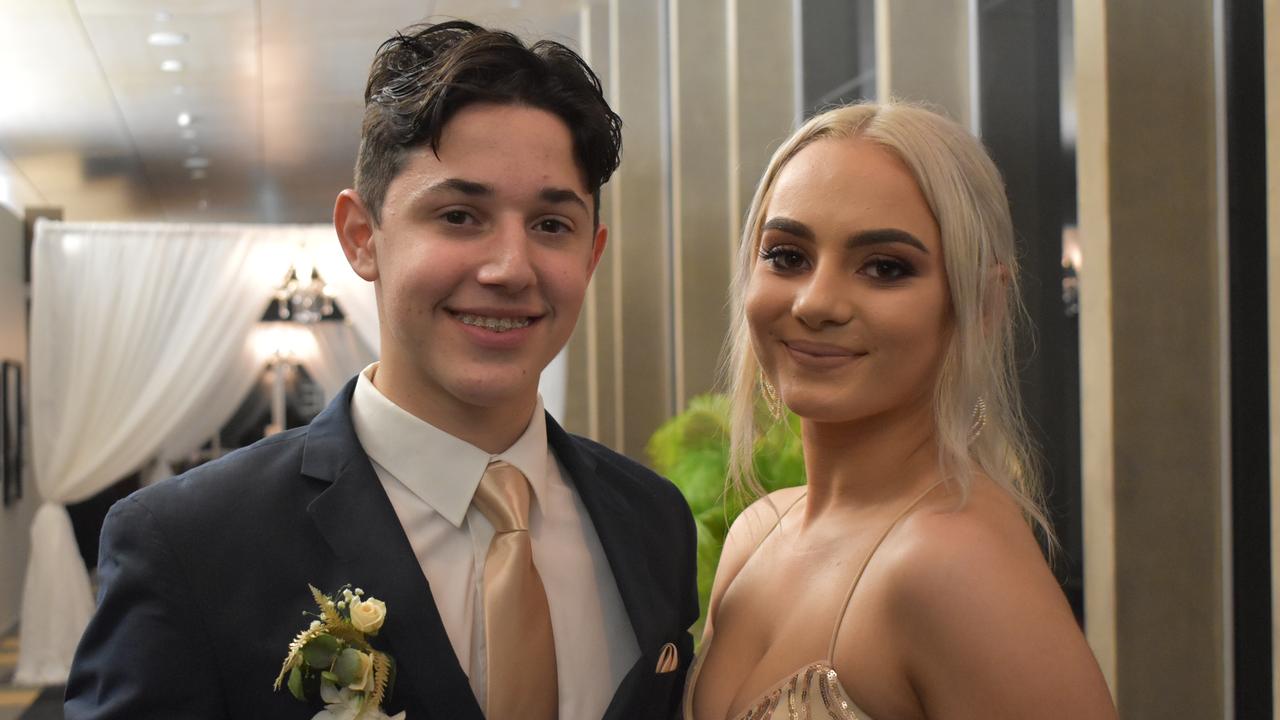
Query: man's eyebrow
{"points": [[563, 195], [466, 187], [885, 236]]}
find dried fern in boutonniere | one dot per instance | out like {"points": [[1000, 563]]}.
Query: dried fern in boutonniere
{"points": [[332, 658]]}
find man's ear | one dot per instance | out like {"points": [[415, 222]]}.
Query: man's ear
{"points": [[355, 226], [597, 247]]}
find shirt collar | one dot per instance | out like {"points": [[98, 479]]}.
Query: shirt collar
{"points": [[442, 470]]}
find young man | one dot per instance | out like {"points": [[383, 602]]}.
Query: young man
{"points": [[525, 572]]}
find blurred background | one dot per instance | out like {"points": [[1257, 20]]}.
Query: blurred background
{"points": [[1142, 167]]}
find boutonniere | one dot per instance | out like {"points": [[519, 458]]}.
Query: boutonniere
{"points": [[332, 658]]}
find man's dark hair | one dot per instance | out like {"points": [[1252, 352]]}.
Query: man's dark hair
{"points": [[426, 73]]}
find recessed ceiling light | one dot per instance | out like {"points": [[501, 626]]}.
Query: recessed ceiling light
{"points": [[198, 174], [171, 65], [196, 163], [184, 119], [165, 38]]}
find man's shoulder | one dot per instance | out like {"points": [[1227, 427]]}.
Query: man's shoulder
{"points": [[615, 466], [239, 480], [611, 461]]}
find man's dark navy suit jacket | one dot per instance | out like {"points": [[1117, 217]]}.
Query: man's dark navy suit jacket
{"points": [[204, 581]]}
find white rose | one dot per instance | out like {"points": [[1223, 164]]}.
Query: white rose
{"points": [[367, 615], [365, 674]]}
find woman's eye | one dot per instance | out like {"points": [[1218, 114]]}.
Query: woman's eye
{"points": [[783, 258], [885, 269]]}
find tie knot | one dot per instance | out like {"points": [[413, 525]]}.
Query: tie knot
{"points": [[503, 497]]}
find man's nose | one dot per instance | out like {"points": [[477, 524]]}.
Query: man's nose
{"points": [[509, 263]]}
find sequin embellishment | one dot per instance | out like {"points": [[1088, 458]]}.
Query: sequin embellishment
{"points": [[789, 700]]}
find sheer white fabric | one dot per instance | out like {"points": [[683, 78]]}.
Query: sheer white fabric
{"points": [[340, 354], [132, 328], [353, 293], [210, 412]]}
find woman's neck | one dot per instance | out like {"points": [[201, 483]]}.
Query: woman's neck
{"points": [[870, 461]]}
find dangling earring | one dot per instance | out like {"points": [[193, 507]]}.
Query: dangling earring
{"points": [[979, 418], [771, 398]]}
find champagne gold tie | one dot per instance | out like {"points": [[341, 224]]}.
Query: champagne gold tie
{"points": [[520, 649]]}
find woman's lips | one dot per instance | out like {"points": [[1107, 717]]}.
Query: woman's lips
{"points": [[820, 355]]}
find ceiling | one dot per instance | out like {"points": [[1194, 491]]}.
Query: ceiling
{"points": [[90, 122]]}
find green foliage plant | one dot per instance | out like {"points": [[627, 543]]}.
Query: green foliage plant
{"points": [[692, 450]]}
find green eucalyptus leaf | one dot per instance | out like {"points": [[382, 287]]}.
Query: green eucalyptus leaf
{"points": [[295, 684], [347, 666], [320, 652], [330, 677], [692, 450]]}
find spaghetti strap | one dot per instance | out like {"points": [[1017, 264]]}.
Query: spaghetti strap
{"points": [[764, 537], [835, 632], [776, 523]]}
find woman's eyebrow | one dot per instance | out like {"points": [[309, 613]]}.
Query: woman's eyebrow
{"points": [[788, 226], [885, 236], [860, 239]]}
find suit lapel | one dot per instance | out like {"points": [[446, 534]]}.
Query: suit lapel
{"points": [[616, 505], [358, 522]]}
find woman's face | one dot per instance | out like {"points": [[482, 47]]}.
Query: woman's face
{"points": [[848, 302]]}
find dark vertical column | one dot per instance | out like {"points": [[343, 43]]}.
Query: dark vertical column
{"points": [[1244, 73], [1020, 111], [839, 53]]}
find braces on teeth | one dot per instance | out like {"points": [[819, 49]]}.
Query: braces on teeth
{"points": [[495, 324]]}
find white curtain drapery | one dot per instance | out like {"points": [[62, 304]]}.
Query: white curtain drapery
{"points": [[339, 349], [353, 293], [133, 329]]}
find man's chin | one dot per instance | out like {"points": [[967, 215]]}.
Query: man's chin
{"points": [[495, 392]]}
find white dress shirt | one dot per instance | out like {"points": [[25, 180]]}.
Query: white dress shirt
{"points": [[431, 476]]}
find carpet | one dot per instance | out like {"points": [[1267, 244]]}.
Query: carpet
{"points": [[48, 705]]}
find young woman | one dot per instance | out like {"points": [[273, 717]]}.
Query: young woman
{"points": [[876, 298]]}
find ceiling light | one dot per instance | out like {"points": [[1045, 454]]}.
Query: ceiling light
{"points": [[195, 163], [165, 38], [171, 65], [198, 174], [202, 205], [184, 119], [188, 134]]}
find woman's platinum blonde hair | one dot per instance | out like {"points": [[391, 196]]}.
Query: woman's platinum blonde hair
{"points": [[966, 194]]}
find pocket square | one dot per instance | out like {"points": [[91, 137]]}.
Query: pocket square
{"points": [[668, 659]]}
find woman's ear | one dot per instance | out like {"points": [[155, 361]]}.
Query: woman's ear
{"points": [[995, 299], [356, 230]]}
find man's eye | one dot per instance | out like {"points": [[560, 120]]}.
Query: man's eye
{"points": [[457, 217], [551, 226]]}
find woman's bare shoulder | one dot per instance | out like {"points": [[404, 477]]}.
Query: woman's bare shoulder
{"points": [[760, 517], [985, 627], [751, 527]]}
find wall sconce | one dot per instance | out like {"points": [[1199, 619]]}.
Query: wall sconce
{"points": [[1072, 259]]}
